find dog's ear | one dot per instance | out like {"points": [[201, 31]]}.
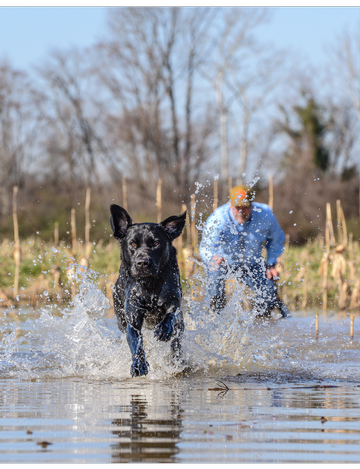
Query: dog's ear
{"points": [[174, 225], [120, 221]]}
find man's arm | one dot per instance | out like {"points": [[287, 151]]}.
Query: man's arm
{"points": [[211, 242], [274, 247]]}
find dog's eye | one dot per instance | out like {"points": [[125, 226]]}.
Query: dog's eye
{"points": [[156, 244], [133, 245]]}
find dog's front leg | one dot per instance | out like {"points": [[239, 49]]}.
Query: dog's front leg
{"points": [[172, 327], [134, 338], [176, 341], [171, 324], [165, 329]]}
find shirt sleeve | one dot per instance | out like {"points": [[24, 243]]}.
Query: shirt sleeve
{"points": [[275, 242], [212, 238]]}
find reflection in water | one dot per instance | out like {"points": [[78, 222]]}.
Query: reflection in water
{"points": [[260, 419], [147, 439]]}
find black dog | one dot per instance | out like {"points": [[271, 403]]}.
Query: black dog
{"points": [[148, 288]]}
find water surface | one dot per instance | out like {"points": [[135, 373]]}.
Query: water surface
{"points": [[252, 391]]}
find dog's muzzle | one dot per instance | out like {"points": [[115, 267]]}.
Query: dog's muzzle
{"points": [[144, 267]]}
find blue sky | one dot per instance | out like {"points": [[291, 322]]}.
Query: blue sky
{"points": [[27, 34]]}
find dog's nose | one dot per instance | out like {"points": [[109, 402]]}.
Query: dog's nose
{"points": [[143, 262]]}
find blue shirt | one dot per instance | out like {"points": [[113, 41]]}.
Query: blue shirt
{"points": [[242, 243]]}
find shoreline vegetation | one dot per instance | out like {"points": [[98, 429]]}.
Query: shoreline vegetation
{"points": [[322, 274]]}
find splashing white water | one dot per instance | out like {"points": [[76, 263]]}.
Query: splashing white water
{"points": [[81, 341]]}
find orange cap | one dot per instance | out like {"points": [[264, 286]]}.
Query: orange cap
{"points": [[241, 196]]}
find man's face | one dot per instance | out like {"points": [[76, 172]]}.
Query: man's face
{"points": [[241, 214]]}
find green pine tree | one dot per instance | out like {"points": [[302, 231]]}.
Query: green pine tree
{"points": [[307, 136]]}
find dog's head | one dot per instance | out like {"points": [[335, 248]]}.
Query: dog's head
{"points": [[145, 247]]}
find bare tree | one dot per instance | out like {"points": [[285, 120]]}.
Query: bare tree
{"points": [[19, 128], [244, 73], [344, 128], [233, 32], [346, 64], [74, 119], [149, 65], [252, 84]]}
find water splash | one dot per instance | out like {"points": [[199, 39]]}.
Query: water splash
{"points": [[81, 340]]}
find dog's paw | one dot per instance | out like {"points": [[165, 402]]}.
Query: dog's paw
{"points": [[139, 368], [165, 329]]}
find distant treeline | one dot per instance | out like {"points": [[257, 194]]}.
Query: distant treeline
{"points": [[179, 95]]}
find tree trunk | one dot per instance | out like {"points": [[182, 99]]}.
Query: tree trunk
{"points": [[224, 174], [244, 144]]}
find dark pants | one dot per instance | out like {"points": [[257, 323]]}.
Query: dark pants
{"points": [[254, 276]]}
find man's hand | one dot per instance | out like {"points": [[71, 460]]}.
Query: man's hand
{"points": [[216, 261], [272, 274]]}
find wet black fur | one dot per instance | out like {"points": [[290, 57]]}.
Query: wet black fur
{"points": [[148, 290]]}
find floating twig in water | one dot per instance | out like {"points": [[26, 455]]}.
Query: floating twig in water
{"points": [[316, 386], [223, 388]]}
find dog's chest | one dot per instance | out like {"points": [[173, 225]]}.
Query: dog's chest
{"points": [[153, 310], [149, 303], [153, 302]]}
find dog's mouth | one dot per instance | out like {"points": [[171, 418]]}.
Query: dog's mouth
{"points": [[144, 274]]}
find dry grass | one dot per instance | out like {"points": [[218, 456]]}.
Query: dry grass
{"points": [[309, 274]]}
